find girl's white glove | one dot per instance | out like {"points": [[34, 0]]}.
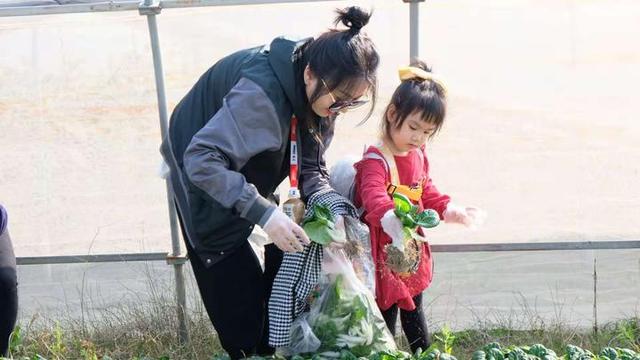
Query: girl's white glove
{"points": [[286, 234], [392, 226], [470, 216]]}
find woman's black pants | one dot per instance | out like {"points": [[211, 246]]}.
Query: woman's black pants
{"points": [[235, 292]]}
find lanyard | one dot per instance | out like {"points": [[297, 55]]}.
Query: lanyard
{"points": [[293, 158]]}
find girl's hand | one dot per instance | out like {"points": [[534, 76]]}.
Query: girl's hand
{"points": [[469, 216], [393, 227]]}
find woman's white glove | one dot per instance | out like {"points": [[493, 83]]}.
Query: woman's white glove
{"points": [[392, 225], [470, 216], [286, 234]]}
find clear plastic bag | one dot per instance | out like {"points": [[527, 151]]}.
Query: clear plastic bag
{"points": [[358, 249], [303, 340], [345, 315]]}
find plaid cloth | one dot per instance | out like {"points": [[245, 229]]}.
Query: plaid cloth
{"points": [[300, 272]]}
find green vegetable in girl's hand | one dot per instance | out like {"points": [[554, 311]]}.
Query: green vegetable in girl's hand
{"points": [[409, 215], [402, 203]]}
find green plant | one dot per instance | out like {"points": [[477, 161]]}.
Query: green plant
{"points": [[321, 226], [15, 340], [88, 350], [57, 347], [629, 332], [411, 216], [446, 338]]}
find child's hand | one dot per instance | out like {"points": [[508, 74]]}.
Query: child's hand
{"points": [[393, 227], [470, 216]]}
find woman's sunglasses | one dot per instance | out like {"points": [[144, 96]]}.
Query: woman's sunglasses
{"points": [[342, 105]]}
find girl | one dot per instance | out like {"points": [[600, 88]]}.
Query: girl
{"points": [[399, 164], [254, 118]]}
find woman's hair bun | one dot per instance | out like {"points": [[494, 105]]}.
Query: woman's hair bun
{"points": [[353, 17]]}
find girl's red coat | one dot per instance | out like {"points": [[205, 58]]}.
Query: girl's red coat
{"points": [[371, 182]]}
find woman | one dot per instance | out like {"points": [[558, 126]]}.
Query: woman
{"points": [[8, 285], [229, 147]]}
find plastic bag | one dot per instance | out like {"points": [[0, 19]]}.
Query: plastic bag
{"points": [[358, 249], [345, 315], [303, 340]]}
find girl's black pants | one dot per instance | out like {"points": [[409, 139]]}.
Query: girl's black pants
{"points": [[414, 324]]}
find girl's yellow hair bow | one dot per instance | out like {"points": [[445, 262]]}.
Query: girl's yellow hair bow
{"points": [[412, 72]]}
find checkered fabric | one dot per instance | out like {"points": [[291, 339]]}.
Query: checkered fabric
{"points": [[299, 273]]}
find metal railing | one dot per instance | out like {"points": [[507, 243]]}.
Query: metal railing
{"points": [[442, 248], [107, 6]]}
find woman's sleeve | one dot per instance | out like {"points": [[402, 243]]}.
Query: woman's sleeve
{"points": [[314, 176], [246, 125], [371, 182], [431, 197]]}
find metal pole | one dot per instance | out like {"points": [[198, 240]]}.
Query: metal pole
{"points": [[414, 28], [151, 8], [595, 296], [127, 5], [414, 20]]}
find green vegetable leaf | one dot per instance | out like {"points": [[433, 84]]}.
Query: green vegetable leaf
{"points": [[428, 218], [609, 352], [321, 227], [402, 203]]}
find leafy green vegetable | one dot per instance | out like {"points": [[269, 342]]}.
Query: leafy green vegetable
{"points": [[542, 352], [346, 320], [495, 354], [321, 227], [410, 216], [492, 345], [517, 354], [609, 352], [533, 352], [626, 354], [577, 353], [479, 355]]}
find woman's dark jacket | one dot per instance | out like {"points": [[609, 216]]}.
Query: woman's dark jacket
{"points": [[228, 145]]}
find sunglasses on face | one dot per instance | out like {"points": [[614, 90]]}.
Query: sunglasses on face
{"points": [[342, 105]]}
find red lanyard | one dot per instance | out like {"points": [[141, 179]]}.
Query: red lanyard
{"points": [[293, 159]]}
